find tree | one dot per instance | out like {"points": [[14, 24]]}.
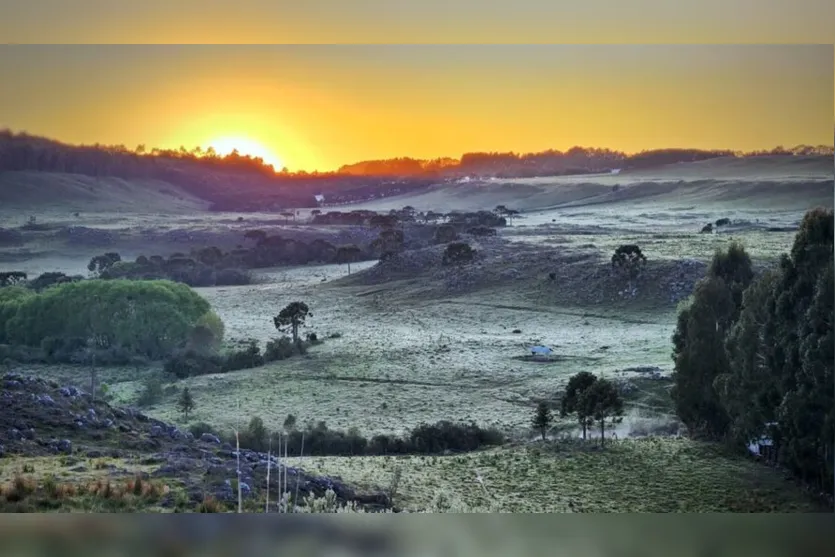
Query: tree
{"points": [[11, 278], [601, 401], [628, 258], [348, 254], [458, 253], [699, 355], [185, 403], [700, 343], [577, 386], [101, 263], [542, 419], [291, 318]]}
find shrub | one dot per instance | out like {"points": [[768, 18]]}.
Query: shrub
{"points": [[458, 253], [151, 392], [246, 358], [188, 363], [279, 349]]}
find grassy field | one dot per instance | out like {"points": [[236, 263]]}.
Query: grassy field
{"points": [[400, 352], [635, 475]]}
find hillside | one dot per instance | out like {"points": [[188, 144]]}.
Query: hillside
{"points": [[27, 190], [787, 183]]}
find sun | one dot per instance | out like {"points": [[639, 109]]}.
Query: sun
{"points": [[245, 146]]}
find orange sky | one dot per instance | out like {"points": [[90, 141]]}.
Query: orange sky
{"points": [[317, 107]]}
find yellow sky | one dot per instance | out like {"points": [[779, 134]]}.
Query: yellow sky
{"points": [[317, 107]]}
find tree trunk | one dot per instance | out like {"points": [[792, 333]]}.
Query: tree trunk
{"points": [[602, 431], [543, 433], [584, 429], [349, 267], [295, 331]]}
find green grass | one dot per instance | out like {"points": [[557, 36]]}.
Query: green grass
{"points": [[648, 475]]}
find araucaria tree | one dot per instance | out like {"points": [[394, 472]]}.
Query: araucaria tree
{"points": [[543, 419], [600, 402], [291, 318], [185, 403], [348, 254], [577, 386]]}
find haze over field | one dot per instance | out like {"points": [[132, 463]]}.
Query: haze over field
{"points": [[430, 291]]}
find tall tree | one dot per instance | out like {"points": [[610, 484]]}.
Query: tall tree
{"points": [[600, 402], [543, 419], [185, 403], [291, 318], [577, 386]]}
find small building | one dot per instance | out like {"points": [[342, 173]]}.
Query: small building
{"points": [[540, 351], [763, 447], [319, 198]]}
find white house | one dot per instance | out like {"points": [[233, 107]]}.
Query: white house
{"points": [[540, 351], [319, 198]]}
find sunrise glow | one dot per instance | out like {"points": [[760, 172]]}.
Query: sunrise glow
{"points": [[245, 146]]}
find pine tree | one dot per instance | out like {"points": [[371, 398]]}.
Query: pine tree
{"points": [[542, 419], [186, 403]]}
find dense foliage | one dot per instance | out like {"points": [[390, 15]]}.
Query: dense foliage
{"points": [[754, 356], [319, 440], [140, 318]]}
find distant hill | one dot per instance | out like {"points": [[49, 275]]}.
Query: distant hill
{"points": [[234, 182], [76, 192]]}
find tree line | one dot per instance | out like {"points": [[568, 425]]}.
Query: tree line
{"points": [[259, 186], [754, 353]]}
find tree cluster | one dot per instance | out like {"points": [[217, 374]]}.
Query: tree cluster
{"points": [[754, 355], [72, 321], [318, 440], [591, 400]]}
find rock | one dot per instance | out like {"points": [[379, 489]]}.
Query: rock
{"points": [[29, 434], [189, 436], [78, 469], [94, 454], [64, 446], [46, 400], [12, 385], [71, 392], [15, 435], [156, 431], [209, 438], [107, 424]]}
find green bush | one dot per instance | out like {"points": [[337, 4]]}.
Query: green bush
{"points": [[133, 318], [188, 363], [245, 358], [279, 349]]}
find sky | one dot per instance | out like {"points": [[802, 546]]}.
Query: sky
{"points": [[320, 106]]}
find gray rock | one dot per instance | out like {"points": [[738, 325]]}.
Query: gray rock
{"points": [[209, 438], [46, 400], [65, 446], [156, 431], [12, 385]]}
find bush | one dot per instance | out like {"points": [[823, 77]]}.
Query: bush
{"points": [[246, 358], [188, 363], [424, 439], [199, 428], [151, 392], [458, 253], [279, 349]]}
